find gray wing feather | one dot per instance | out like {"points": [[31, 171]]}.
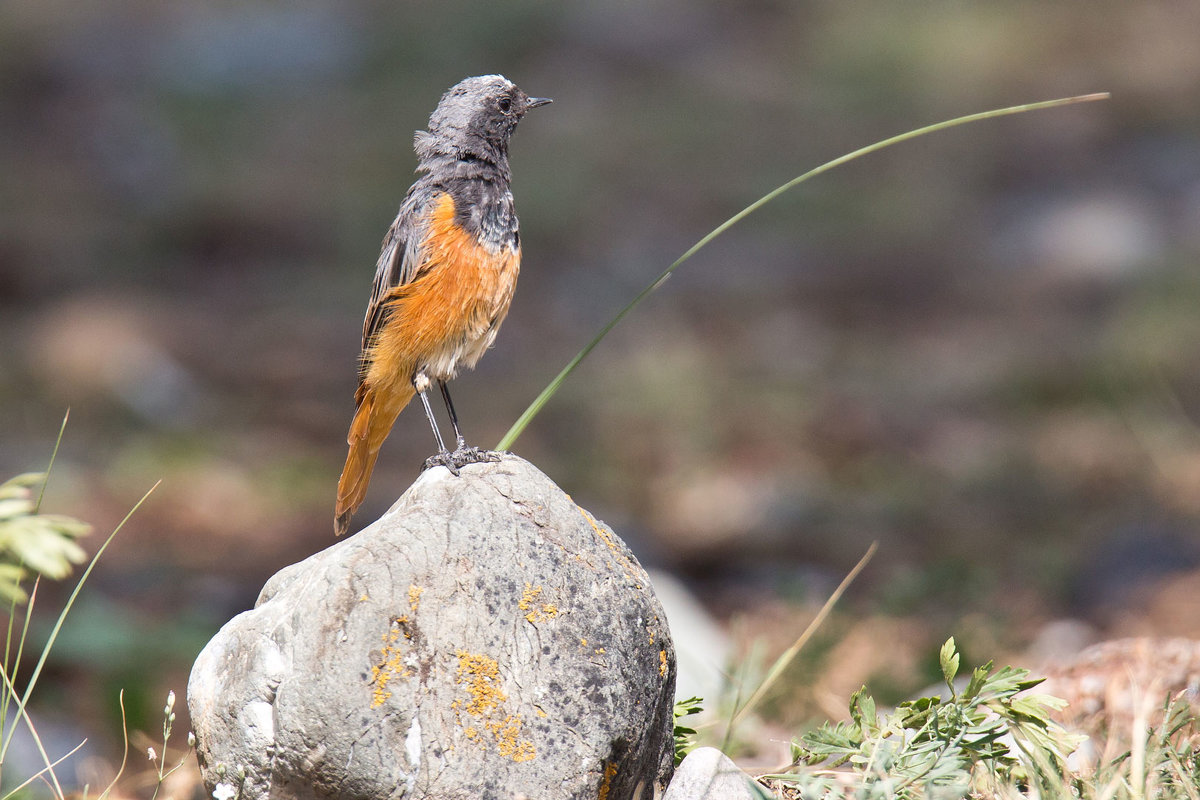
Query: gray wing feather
{"points": [[398, 263]]}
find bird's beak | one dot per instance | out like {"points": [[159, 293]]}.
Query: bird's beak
{"points": [[534, 102]]}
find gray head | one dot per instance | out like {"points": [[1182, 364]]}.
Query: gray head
{"points": [[475, 119]]}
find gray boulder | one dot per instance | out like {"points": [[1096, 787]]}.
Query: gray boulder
{"points": [[486, 638]]}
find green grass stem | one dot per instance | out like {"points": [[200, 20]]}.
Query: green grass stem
{"points": [[781, 664], [37, 507], [546, 394]]}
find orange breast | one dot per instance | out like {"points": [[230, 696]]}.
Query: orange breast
{"points": [[448, 315]]}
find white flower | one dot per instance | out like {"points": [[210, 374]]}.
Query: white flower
{"points": [[170, 702], [151, 754], [224, 791], [191, 738]]}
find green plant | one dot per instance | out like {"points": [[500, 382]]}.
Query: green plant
{"points": [[685, 737], [1162, 762], [32, 542], [45, 548], [160, 762], [989, 738], [986, 730]]}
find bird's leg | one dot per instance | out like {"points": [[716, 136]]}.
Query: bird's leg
{"points": [[463, 454], [461, 442], [443, 456]]}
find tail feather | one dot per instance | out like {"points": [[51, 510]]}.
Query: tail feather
{"points": [[373, 421]]}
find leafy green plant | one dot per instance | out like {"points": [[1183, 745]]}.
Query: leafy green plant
{"points": [[44, 545], [31, 542], [991, 733], [685, 737], [991, 737]]}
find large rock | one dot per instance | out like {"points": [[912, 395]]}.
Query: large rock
{"points": [[486, 638]]}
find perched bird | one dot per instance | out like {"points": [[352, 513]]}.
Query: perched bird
{"points": [[444, 279]]}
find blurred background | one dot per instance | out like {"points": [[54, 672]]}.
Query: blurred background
{"points": [[980, 349]]}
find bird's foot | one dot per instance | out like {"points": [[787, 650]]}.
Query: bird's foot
{"points": [[461, 456], [443, 459]]}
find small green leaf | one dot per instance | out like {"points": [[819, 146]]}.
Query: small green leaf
{"points": [[12, 507], [683, 735], [948, 658], [979, 676], [19, 485], [11, 577], [862, 711]]}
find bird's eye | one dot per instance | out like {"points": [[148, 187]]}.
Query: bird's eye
{"points": [[505, 104]]}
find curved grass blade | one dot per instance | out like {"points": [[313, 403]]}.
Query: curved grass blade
{"points": [[37, 507], [49, 768], [124, 753], [781, 663], [523, 421]]}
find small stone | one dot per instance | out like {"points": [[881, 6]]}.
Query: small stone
{"points": [[708, 774]]}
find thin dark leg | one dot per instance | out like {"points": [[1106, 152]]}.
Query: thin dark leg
{"points": [[462, 454], [460, 441]]}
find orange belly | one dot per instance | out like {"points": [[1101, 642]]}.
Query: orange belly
{"points": [[445, 318]]}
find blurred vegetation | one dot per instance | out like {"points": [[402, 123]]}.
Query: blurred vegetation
{"points": [[32, 543], [980, 349]]}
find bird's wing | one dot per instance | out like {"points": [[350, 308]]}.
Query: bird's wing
{"points": [[400, 261]]}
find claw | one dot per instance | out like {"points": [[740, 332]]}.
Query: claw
{"points": [[460, 458], [441, 460]]}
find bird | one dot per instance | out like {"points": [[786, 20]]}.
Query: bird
{"points": [[445, 277]]}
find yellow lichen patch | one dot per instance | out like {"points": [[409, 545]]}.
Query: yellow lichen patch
{"points": [[662, 662], [540, 713], [508, 741], [390, 665], [528, 596], [628, 566], [536, 613], [583, 642], [610, 772], [414, 596], [482, 676]]}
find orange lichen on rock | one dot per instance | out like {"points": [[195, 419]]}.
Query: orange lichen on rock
{"points": [[536, 614], [507, 733], [610, 772], [391, 665], [629, 567], [481, 674]]}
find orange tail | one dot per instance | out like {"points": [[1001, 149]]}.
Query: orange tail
{"points": [[373, 421]]}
